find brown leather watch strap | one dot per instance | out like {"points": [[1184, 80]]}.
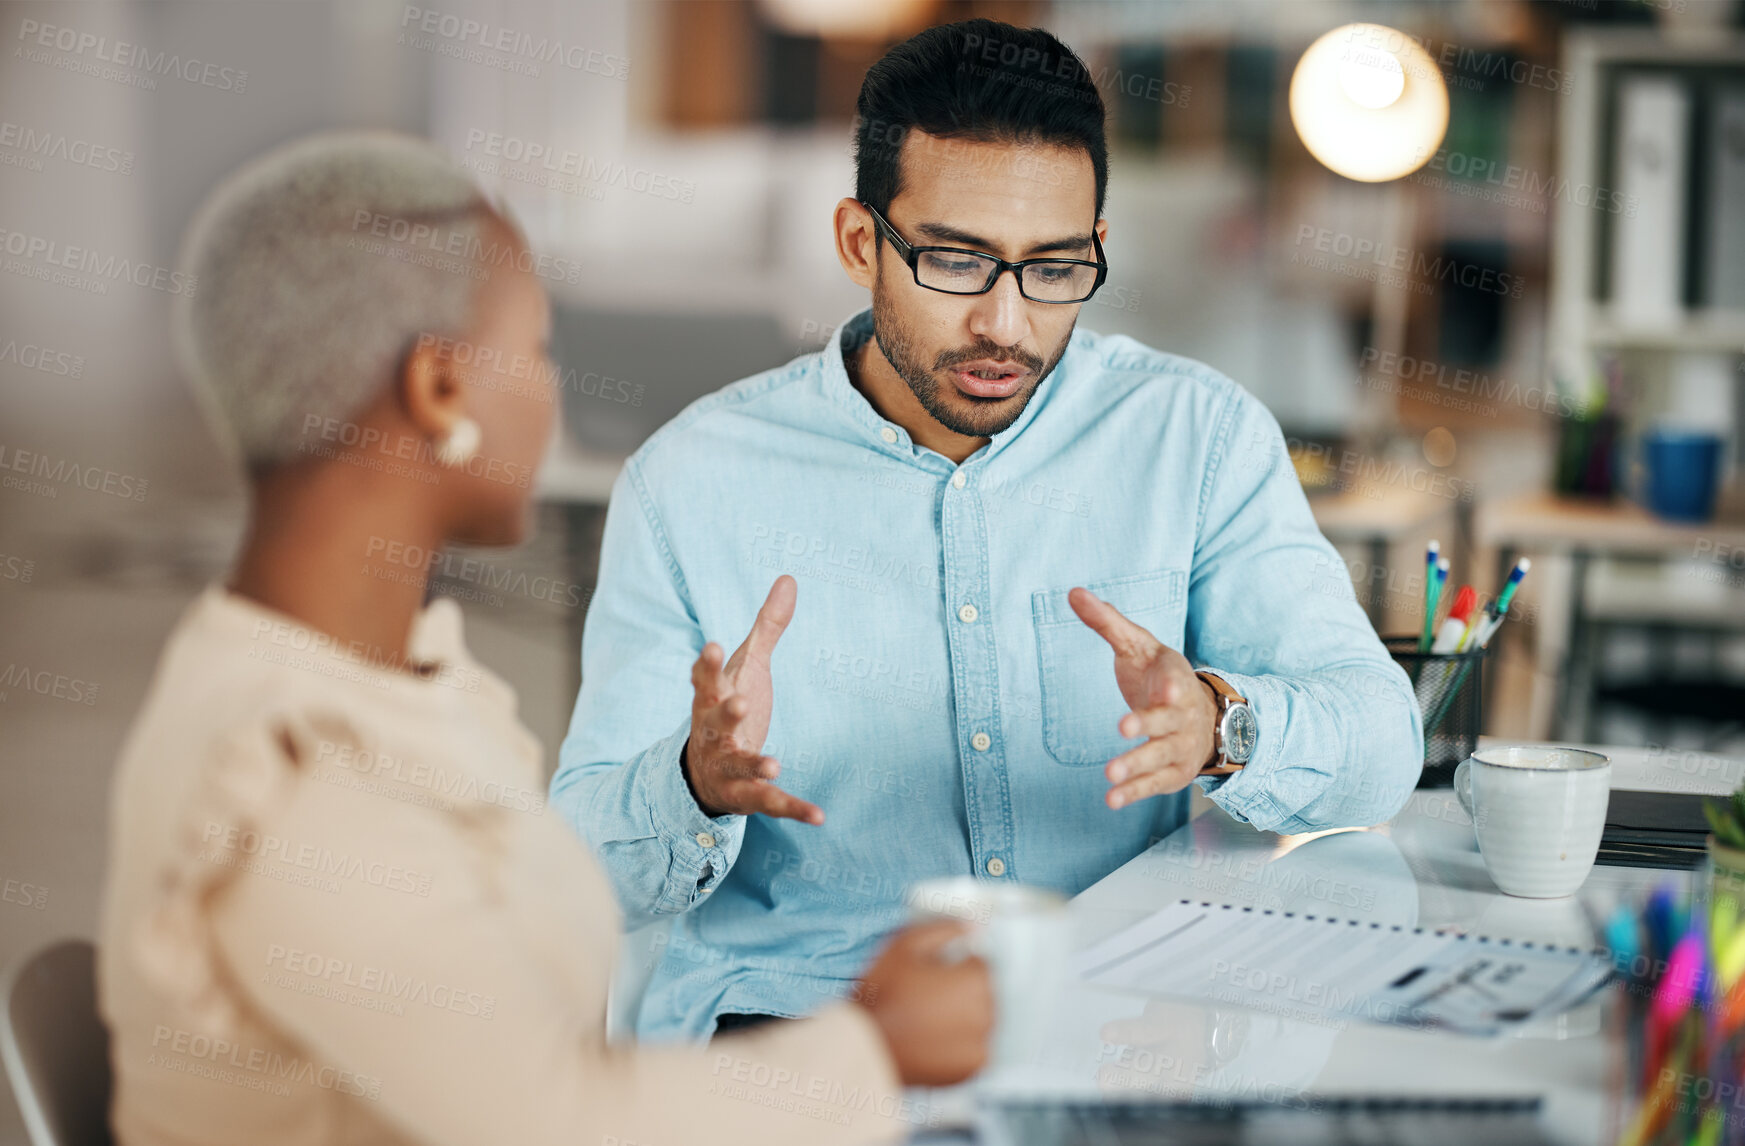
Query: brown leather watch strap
{"points": [[1221, 687], [1228, 696]]}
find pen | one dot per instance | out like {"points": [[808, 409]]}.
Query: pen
{"points": [[1440, 580], [1431, 589], [1515, 576], [1497, 611]]}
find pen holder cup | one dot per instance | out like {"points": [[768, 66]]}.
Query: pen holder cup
{"points": [[1450, 689]]}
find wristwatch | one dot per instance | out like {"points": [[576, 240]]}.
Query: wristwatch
{"points": [[1225, 1038], [1235, 733]]}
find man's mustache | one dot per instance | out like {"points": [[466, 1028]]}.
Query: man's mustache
{"points": [[992, 353]]}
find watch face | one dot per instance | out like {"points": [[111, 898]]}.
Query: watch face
{"points": [[1240, 733], [1229, 1032]]}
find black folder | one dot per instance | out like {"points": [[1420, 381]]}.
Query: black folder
{"points": [[1289, 1119], [1654, 829]]}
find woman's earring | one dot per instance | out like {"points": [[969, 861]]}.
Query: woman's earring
{"points": [[457, 447]]}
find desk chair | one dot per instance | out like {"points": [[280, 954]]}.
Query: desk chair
{"points": [[55, 1047]]}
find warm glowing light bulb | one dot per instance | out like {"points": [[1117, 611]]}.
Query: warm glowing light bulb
{"points": [[1372, 79], [846, 19], [1369, 102]]}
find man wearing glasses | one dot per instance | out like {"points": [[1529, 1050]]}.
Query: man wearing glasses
{"points": [[1004, 582]]}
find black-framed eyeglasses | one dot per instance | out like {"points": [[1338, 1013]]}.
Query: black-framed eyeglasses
{"points": [[953, 270]]}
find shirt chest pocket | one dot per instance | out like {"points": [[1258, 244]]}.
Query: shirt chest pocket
{"points": [[1081, 703]]}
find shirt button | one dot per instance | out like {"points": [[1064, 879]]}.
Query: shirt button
{"points": [[996, 867], [958, 480], [888, 434], [980, 741], [968, 614], [705, 839]]}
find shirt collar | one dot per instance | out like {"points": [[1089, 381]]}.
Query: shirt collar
{"points": [[856, 329], [436, 639]]}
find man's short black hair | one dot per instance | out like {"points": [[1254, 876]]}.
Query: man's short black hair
{"points": [[980, 80]]}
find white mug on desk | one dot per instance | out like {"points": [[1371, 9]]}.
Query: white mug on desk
{"points": [[1539, 812], [1023, 932]]}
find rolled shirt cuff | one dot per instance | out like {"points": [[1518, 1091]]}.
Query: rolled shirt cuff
{"points": [[1270, 789], [702, 848]]}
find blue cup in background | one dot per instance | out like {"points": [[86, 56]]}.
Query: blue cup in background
{"points": [[1684, 469]]}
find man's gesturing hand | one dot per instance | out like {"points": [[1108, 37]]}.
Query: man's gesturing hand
{"points": [[723, 760], [1174, 709]]}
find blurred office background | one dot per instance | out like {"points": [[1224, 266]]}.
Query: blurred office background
{"points": [[1514, 349]]}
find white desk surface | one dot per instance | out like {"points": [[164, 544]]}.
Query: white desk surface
{"points": [[1422, 869]]}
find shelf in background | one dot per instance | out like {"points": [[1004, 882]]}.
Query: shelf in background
{"points": [[1546, 522], [1700, 330]]}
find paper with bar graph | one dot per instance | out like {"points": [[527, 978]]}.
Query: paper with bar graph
{"points": [[1320, 968]]}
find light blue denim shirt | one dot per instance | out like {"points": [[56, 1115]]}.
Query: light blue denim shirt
{"points": [[934, 693]]}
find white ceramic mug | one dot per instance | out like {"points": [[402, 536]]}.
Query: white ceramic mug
{"points": [[1024, 934], [1539, 812]]}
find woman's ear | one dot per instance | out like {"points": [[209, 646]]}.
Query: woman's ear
{"points": [[430, 391]]}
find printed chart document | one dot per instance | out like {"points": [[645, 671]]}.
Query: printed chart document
{"points": [[1320, 968]]}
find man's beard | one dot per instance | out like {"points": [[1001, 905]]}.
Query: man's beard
{"points": [[983, 417]]}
